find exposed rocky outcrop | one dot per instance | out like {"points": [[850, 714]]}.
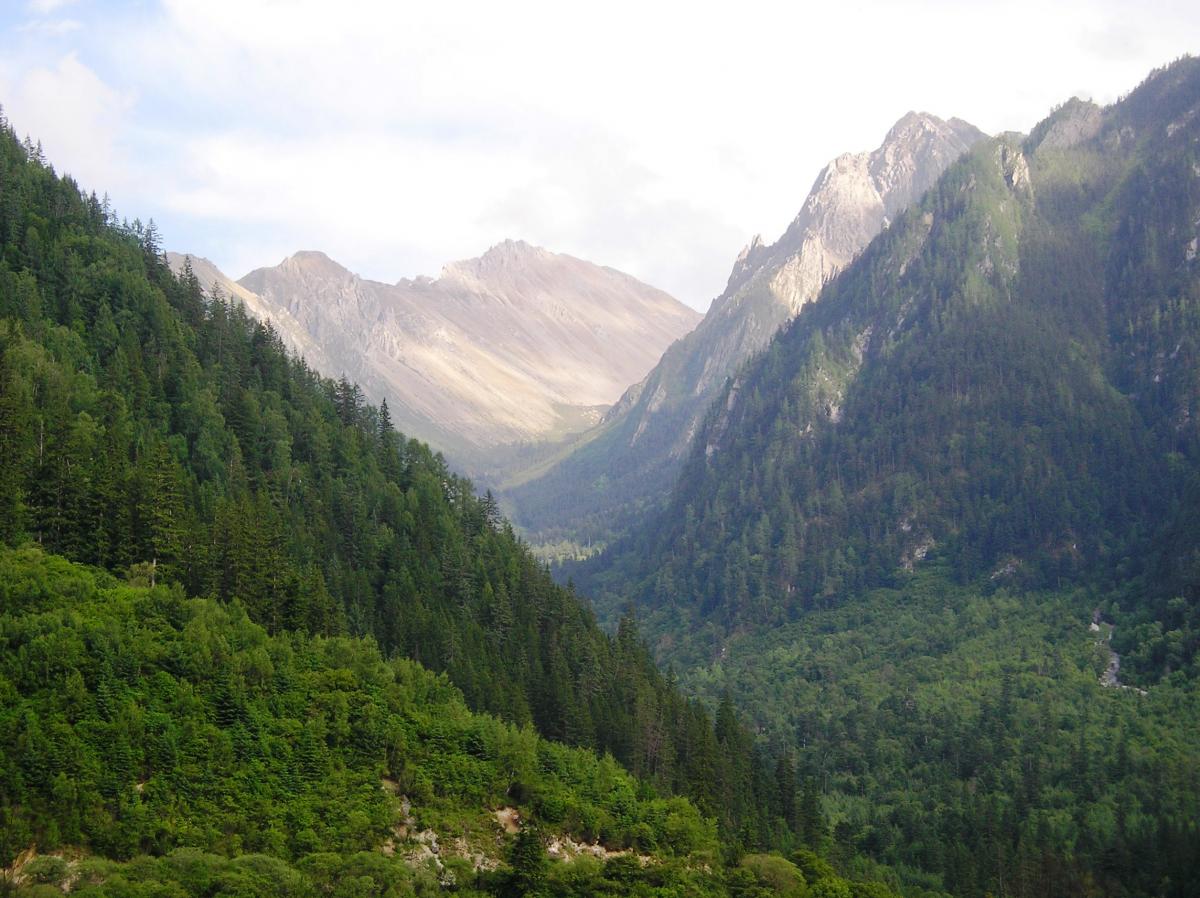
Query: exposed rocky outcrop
{"points": [[854, 197], [1071, 124]]}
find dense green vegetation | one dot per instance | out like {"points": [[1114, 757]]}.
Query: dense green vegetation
{"points": [[203, 755], [1003, 388], [963, 737], [137, 720]]}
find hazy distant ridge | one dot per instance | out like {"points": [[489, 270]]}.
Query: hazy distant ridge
{"points": [[518, 345]]}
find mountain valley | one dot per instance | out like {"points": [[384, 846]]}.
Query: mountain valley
{"points": [[896, 524], [622, 467], [880, 580]]}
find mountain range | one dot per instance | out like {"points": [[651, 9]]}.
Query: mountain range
{"points": [[591, 488], [519, 345]]}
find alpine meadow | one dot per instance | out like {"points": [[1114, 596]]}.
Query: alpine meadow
{"points": [[881, 579]]}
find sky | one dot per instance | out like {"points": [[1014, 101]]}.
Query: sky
{"points": [[653, 137]]}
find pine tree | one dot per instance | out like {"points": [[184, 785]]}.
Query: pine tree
{"points": [[14, 448], [812, 828], [529, 863], [166, 516], [785, 786]]}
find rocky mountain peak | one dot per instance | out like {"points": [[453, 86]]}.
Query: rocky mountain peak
{"points": [[748, 259], [509, 249], [853, 197], [917, 145], [1067, 126], [313, 259], [910, 125], [306, 265], [505, 256]]}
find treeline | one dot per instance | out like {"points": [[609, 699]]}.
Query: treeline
{"points": [[161, 434]]}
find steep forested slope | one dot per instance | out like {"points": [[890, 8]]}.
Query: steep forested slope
{"points": [[173, 440], [159, 745], [1005, 377], [136, 721], [980, 440]]}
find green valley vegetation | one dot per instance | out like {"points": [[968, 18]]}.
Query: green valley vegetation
{"points": [[898, 523], [963, 736]]}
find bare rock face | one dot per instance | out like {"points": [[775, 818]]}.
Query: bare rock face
{"points": [[854, 197], [518, 345], [1073, 123], [647, 433]]}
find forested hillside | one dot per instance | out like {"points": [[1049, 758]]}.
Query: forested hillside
{"points": [[172, 440], [987, 421], [1005, 378], [160, 745], [964, 736]]}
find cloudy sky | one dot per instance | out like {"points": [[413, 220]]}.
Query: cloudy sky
{"points": [[653, 137]]}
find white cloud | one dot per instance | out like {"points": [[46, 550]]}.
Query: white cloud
{"points": [[77, 116], [47, 7], [655, 137], [51, 27], [359, 196]]}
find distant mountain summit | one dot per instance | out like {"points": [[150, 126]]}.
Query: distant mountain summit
{"points": [[508, 260], [854, 197], [518, 345], [632, 456]]}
